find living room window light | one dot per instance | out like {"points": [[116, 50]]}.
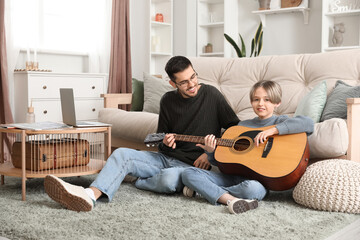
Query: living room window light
{"points": [[61, 25]]}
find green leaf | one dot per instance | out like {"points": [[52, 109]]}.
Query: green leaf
{"points": [[252, 47], [260, 43], [233, 43], [258, 32], [243, 48]]}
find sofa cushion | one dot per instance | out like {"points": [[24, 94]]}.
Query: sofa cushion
{"points": [[137, 101], [330, 139], [313, 103], [154, 89], [129, 125], [336, 104]]}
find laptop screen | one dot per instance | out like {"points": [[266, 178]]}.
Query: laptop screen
{"points": [[68, 106]]}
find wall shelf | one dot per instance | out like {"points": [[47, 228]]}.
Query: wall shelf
{"points": [[214, 54], [262, 14], [340, 48], [345, 13], [210, 25], [351, 21], [214, 18]]}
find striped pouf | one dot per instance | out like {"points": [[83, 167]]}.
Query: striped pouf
{"points": [[330, 185]]}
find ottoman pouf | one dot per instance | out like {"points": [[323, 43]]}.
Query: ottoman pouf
{"points": [[330, 185]]}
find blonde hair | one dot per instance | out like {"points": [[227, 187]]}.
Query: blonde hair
{"points": [[272, 88]]}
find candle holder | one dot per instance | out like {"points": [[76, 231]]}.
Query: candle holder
{"points": [[35, 66], [29, 65]]}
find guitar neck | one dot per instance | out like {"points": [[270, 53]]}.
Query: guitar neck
{"points": [[198, 139]]}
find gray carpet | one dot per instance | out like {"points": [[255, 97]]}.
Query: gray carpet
{"points": [[136, 214]]}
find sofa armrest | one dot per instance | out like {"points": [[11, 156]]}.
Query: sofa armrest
{"points": [[353, 120], [112, 100]]}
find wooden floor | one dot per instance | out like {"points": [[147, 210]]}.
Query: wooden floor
{"points": [[350, 232]]}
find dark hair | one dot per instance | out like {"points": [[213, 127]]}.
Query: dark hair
{"points": [[272, 88], [176, 64]]}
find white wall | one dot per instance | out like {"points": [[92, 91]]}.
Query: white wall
{"points": [[185, 27], [59, 62], [285, 33], [139, 35]]}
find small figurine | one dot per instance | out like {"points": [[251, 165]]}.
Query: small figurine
{"points": [[338, 39]]}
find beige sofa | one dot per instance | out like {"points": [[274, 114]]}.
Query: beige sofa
{"points": [[297, 75]]}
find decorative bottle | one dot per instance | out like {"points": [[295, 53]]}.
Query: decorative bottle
{"points": [[30, 115]]}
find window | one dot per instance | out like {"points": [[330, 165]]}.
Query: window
{"points": [[61, 25]]}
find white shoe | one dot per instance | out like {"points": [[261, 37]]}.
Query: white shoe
{"points": [[70, 196], [188, 192], [241, 205]]}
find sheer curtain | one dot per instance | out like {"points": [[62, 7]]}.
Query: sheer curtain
{"points": [[5, 110], [120, 77]]}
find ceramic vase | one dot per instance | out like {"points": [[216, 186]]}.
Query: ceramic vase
{"points": [[264, 4]]}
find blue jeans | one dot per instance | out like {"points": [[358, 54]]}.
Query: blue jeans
{"points": [[155, 171], [212, 185]]}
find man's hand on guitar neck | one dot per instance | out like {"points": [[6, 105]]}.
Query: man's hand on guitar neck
{"points": [[261, 137]]}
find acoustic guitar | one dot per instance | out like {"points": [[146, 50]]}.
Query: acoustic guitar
{"points": [[278, 163]]}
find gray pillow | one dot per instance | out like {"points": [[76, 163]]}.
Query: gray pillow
{"points": [[154, 89], [335, 106]]}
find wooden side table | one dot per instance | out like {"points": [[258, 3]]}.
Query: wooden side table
{"points": [[56, 142]]}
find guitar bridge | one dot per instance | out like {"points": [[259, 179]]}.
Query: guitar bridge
{"points": [[267, 147]]}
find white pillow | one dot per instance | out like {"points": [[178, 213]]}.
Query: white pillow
{"points": [[154, 89]]}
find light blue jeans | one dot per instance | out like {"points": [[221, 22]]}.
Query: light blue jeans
{"points": [[212, 185], [155, 171]]}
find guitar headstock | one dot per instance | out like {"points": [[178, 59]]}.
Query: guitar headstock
{"points": [[154, 139]]}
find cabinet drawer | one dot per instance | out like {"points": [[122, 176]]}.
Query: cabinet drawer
{"points": [[88, 109], [50, 110], [46, 87]]}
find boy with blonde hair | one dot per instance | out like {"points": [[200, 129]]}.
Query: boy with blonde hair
{"points": [[239, 193]]}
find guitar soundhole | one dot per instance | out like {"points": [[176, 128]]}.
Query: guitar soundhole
{"points": [[242, 144]]}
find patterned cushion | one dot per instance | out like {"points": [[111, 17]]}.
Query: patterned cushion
{"points": [[330, 185]]}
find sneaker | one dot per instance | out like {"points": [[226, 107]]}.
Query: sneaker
{"points": [[70, 196], [130, 179], [188, 192], [241, 205]]}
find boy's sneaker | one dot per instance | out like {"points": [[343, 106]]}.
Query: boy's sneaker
{"points": [[188, 192], [70, 196], [241, 205]]}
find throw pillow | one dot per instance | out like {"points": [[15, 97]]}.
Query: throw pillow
{"points": [[137, 101], [336, 103], [154, 89], [313, 103]]}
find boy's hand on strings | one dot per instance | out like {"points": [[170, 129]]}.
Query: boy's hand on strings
{"points": [[261, 137]]}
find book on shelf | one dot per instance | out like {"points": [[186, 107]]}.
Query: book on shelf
{"points": [[36, 126]]}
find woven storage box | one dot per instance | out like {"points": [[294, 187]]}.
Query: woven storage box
{"points": [[52, 154], [330, 185]]}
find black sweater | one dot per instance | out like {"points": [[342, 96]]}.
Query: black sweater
{"points": [[204, 114]]}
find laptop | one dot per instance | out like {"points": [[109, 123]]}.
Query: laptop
{"points": [[68, 110]]}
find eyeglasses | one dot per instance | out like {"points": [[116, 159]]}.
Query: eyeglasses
{"points": [[187, 82]]}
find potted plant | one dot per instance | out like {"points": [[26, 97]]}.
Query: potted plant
{"points": [[256, 43], [264, 4]]}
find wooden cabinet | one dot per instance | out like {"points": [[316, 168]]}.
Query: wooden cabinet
{"points": [[161, 34], [216, 17], [42, 91], [336, 12]]}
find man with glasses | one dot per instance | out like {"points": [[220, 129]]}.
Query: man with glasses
{"points": [[191, 109]]}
